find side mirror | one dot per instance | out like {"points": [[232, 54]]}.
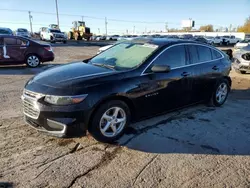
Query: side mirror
{"points": [[160, 69], [86, 60]]}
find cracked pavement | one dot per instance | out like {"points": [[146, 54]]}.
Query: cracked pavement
{"points": [[198, 146]]}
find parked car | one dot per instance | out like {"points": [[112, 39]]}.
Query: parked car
{"points": [[22, 32], [124, 84], [241, 62], [201, 39], [5, 31], [242, 44], [186, 36], [19, 50], [53, 35], [215, 40], [99, 37], [113, 37], [230, 39]]}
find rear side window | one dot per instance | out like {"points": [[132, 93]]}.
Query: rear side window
{"points": [[215, 54], [9, 41], [204, 53], [193, 54], [174, 57]]}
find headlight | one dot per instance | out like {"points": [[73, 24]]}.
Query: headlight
{"points": [[64, 100]]}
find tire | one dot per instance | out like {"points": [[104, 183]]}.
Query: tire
{"points": [[64, 42], [32, 60], [227, 43], [223, 87], [221, 43], [97, 126], [240, 72]]}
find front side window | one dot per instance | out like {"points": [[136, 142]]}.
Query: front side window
{"points": [[124, 56], [204, 53], [22, 42], [174, 57]]}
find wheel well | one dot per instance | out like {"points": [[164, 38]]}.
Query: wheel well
{"points": [[126, 100], [229, 80]]}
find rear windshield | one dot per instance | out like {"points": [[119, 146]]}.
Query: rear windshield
{"points": [[22, 30], [4, 31]]}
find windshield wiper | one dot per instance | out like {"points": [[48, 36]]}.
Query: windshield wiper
{"points": [[104, 65]]}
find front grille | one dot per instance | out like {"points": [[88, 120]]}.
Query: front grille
{"points": [[30, 107]]}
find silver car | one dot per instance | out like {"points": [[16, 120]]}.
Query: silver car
{"points": [[22, 32], [241, 60]]}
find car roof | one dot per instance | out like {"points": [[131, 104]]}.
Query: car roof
{"points": [[162, 41]]}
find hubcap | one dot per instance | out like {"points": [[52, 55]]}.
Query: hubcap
{"points": [[221, 93], [112, 121], [33, 61]]}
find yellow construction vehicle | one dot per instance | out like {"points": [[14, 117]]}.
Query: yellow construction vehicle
{"points": [[79, 31]]}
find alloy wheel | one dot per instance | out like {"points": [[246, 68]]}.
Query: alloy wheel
{"points": [[33, 61], [221, 93], [112, 122]]}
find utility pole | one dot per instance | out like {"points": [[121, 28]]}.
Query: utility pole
{"points": [[166, 26], [57, 14], [99, 31], [106, 23], [30, 17], [134, 30], [82, 18]]}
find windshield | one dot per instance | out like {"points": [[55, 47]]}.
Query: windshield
{"points": [[124, 56], [55, 31], [22, 30]]}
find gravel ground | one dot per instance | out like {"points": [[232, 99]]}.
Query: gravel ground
{"points": [[194, 147]]}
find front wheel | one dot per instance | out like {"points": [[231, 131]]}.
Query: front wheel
{"points": [[220, 93], [32, 61], [109, 121]]}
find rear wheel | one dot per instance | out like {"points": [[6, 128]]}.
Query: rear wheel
{"points": [[32, 61], [109, 121], [220, 93]]}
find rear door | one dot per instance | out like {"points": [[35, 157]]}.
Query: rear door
{"points": [[206, 66], [15, 49]]}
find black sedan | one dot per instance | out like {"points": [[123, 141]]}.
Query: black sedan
{"points": [[19, 50], [128, 82]]}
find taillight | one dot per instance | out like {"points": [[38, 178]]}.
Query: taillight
{"points": [[48, 48]]}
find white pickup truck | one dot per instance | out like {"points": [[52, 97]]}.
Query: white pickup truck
{"points": [[214, 40], [53, 35], [230, 39]]}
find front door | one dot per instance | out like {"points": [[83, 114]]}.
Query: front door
{"points": [[166, 91]]}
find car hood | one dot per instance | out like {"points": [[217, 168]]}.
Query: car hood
{"points": [[68, 75]]}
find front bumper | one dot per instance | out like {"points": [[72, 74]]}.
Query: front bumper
{"points": [[60, 121], [61, 39]]}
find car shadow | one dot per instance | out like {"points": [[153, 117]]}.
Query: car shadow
{"points": [[24, 70], [196, 130]]}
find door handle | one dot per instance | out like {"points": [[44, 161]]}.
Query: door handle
{"points": [[185, 74], [215, 68]]}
